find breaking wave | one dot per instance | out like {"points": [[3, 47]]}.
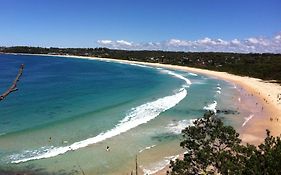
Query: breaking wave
{"points": [[211, 107], [177, 127], [147, 148], [158, 166], [193, 74], [187, 81], [139, 65], [135, 117]]}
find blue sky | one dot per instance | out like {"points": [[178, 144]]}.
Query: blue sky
{"points": [[85, 23]]}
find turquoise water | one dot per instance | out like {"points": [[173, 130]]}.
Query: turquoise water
{"points": [[68, 110]]}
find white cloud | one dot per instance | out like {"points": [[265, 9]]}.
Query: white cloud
{"points": [[253, 40], [104, 41], [252, 44], [178, 43], [278, 38], [206, 41], [123, 42], [235, 42], [221, 42]]}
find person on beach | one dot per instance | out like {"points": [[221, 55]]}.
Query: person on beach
{"points": [[107, 148]]}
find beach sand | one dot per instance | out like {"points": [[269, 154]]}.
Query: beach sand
{"points": [[261, 97], [267, 107], [266, 93]]}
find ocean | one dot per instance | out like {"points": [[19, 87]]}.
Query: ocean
{"points": [[67, 111]]}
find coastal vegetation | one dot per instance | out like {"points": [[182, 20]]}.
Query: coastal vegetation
{"points": [[213, 148], [266, 66]]}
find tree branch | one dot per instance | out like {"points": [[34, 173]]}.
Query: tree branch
{"points": [[13, 87]]}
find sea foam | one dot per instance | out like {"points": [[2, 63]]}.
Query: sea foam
{"points": [[139, 65], [188, 82], [147, 148], [211, 107], [218, 89], [247, 119], [193, 74], [177, 127], [135, 117], [158, 166]]}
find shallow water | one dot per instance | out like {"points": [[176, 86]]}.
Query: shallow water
{"points": [[68, 110]]}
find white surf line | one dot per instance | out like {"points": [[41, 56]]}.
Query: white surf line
{"points": [[113, 61], [177, 127], [140, 65], [193, 74], [218, 89], [158, 166], [136, 116], [108, 60], [247, 119], [211, 107], [147, 148], [187, 81], [139, 115]]}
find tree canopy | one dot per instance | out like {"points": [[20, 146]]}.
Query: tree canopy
{"points": [[213, 148], [265, 66]]}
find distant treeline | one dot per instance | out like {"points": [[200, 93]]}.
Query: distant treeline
{"points": [[266, 66]]}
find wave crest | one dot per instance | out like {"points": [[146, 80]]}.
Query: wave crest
{"points": [[177, 127], [211, 107], [135, 117]]}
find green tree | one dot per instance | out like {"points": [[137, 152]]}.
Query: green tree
{"points": [[266, 159], [213, 148]]}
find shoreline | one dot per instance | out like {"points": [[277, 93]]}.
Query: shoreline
{"points": [[265, 93]]}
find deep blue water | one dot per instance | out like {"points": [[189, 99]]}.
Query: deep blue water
{"points": [[54, 89]]}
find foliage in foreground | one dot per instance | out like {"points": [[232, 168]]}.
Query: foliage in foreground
{"points": [[213, 148]]}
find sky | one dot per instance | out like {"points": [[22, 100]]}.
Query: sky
{"points": [[180, 25]]}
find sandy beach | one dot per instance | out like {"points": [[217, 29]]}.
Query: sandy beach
{"points": [[266, 93], [267, 105], [266, 102], [261, 97], [270, 108]]}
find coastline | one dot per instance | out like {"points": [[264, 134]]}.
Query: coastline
{"points": [[266, 94]]}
